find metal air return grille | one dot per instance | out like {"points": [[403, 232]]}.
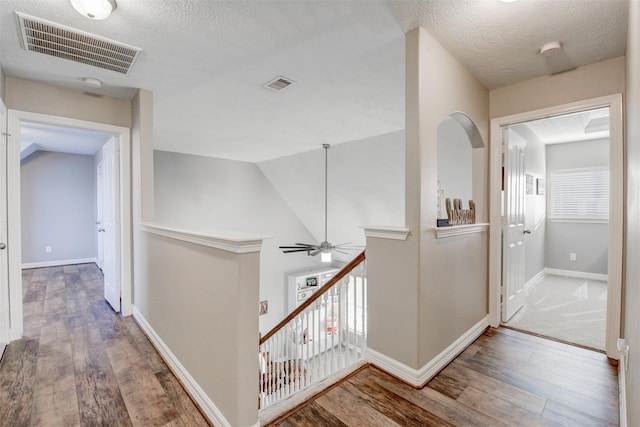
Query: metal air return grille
{"points": [[49, 38], [279, 83]]}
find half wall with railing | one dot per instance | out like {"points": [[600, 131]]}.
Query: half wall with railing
{"points": [[318, 339]]}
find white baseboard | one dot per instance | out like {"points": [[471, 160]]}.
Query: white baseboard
{"points": [[418, 378], [535, 278], [577, 274], [193, 388], [58, 263]]}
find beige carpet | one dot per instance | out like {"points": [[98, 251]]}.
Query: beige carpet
{"points": [[565, 308]]}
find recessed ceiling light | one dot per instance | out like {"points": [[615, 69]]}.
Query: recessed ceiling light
{"points": [[94, 9], [550, 48], [91, 82]]}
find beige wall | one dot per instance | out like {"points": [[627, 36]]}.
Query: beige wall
{"points": [[631, 325], [142, 154], [202, 302], [26, 95], [425, 293], [590, 81], [1, 83], [453, 275]]}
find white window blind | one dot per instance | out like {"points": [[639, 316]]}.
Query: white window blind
{"points": [[580, 194]]}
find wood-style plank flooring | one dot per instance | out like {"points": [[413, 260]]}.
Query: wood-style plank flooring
{"points": [[505, 378], [80, 364]]}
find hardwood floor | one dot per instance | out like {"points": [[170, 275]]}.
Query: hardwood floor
{"points": [[505, 378], [80, 364]]}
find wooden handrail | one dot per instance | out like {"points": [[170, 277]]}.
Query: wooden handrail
{"points": [[345, 270]]}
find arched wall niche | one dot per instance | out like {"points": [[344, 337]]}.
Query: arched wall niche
{"points": [[458, 136]]}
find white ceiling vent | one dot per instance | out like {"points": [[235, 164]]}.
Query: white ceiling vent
{"points": [[279, 83], [49, 38]]}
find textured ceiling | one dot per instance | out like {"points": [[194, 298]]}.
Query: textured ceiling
{"points": [[573, 127], [206, 61]]}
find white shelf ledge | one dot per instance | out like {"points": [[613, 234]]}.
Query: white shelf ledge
{"points": [[460, 230], [386, 232], [235, 242]]}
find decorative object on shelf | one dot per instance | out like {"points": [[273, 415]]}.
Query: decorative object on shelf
{"points": [[440, 194], [325, 248], [540, 186], [459, 216], [530, 182]]}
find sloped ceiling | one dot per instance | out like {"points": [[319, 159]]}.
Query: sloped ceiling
{"points": [[206, 61], [365, 187]]}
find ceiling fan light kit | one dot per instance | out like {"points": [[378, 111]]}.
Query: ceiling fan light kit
{"points": [[325, 249]]}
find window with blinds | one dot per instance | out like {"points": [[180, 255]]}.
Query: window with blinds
{"points": [[580, 195]]}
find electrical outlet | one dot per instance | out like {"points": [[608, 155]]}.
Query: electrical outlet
{"points": [[264, 307], [47, 249], [572, 256]]}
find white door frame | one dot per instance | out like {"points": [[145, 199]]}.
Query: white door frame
{"points": [[5, 322], [616, 206], [15, 117]]}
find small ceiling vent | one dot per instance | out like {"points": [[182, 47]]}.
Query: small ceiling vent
{"points": [[49, 38], [279, 83]]}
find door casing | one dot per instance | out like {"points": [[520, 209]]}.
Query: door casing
{"points": [[5, 322], [15, 117], [616, 206]]}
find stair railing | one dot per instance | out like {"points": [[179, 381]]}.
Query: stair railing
{"points": [[325, 334]]}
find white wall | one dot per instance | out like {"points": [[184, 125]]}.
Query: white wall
{"points": [[366, 187], [589, 241], [58, 207], [208, 194], [632, 267]]}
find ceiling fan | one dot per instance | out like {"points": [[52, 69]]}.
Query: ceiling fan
{"points": [[325, 248]]}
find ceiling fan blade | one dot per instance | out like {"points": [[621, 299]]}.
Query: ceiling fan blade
{"points": [[315, 252], [296, 247], [346, 246], [341, 252], [307, 244], [295, 250]]}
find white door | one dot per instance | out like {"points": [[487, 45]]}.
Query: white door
{"points": [[4, 276], [513, 251], [99, 214], [111, 223]]}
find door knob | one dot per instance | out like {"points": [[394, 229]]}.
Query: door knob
{"points": [[526, 232], [100, 230], [3, 246]]}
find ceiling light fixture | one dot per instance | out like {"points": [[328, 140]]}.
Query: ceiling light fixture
{"points": [[91, 82], [551, 48], [94, 9]]}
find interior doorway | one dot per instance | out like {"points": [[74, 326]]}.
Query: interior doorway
{"points": [[501, 131], [66, 218], [121, 137], [555, 233]]}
